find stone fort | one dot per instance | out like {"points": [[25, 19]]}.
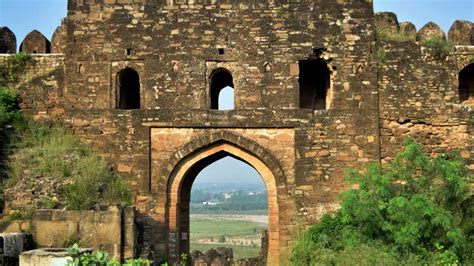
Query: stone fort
{"points": [[315, 92]]}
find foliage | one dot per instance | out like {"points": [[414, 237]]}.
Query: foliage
{"points": [[8, 107], [439, 48], [413, 209], [16, 66], [471, 60], [239, 201], [72, 239], [137, 262], [21, 213], [51, 152], [222, 239], [387, 35], [240, 251], [99, 258], [184, 259], [381, 56]]}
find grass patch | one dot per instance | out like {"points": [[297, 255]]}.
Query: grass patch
{"points": [[52, 153], [50, 166], [381, 58], [240, 252], [202, 227], [386, 35], [439, 48]]}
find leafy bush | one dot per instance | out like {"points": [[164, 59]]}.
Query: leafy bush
{"points": [[99, 258], [8, 106], [413, 209], [16, 66], [439, 48]]}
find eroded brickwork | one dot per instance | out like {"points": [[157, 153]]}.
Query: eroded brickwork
{"points": [[370, 104]]}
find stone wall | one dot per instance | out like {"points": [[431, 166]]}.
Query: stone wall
{"points": [[175, 46], [41, 87], [111, 230], [419, 97]]}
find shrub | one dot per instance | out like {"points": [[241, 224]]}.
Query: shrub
{"points": [[52, 153], [387, 35], [439, 48], [413, 209], [16, 66], [8, 106], [99, 258]]}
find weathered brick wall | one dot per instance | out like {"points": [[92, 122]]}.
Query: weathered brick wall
{"points": [[41, 86], [175, 46], [419, 98], [111, 230]]}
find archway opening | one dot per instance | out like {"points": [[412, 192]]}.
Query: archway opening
{"points": [[222, 83], [128, 89], [466, 84], [180, 186], [228, 209], [314, 80]]}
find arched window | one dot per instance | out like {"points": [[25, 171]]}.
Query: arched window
{"points": [[314, 79], [128, 89], [222, 83], [466, 84]]}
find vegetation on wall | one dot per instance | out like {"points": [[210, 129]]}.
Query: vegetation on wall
{"points": [[439, 48], [415, 210], [53, 166], [81, 178], [381, 59], [16, 66], [387, 35]]}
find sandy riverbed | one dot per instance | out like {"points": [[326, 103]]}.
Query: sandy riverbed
{"points": [[262, 220]]}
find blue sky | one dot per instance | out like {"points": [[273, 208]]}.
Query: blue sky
{"points": [[22, 16]]}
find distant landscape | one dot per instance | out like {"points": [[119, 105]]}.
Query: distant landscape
{"points": [[229, 215]]}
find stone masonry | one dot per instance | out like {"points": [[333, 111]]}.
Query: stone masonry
{"points": [[138, 79]]}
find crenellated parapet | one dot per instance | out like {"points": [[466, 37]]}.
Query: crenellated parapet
{"points": [[460, 33], [7, 41], [34, 42], [313, 93]]}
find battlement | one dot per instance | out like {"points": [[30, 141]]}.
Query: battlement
{"points": [[318, 86], [460, 33]]}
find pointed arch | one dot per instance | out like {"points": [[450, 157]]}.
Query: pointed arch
{"points": [[466, 84], [195, 156], [220, 78], [128, 89]]}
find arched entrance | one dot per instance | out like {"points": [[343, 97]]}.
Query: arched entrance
{"points": [[179, 190]]}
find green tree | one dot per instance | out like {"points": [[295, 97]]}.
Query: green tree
{"points": [[413, 207]]}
